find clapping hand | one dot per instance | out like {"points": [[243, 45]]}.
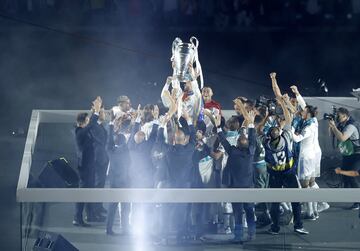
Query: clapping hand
{"points": [[251, 117], [217, 120], [96, 104]]}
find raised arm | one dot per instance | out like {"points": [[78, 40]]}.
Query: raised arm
{"points": [[274, 85], [241, 108], [165, 93], [251, 132], [221, 135], [285, 110], [135, 128], [288, 104], [299, 98], [97, 103], [192, 133]]}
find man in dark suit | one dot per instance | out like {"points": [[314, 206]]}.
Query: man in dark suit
{"points": [[99, 134], [142, 170], [179, 161], [118, 171], [85, 155]]}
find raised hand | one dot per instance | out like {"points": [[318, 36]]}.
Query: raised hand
{"points": [[218, 120], [97, 104], [156, 112], [273, 75], [251, 117], [169, 79], [294, 89]]}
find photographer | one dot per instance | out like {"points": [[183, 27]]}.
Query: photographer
{"points": [[347, 135]]}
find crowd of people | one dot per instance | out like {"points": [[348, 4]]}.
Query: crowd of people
{"points": [[187, 143], [221, 14]]}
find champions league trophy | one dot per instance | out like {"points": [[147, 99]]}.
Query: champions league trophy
{"points": [[184, 54]]}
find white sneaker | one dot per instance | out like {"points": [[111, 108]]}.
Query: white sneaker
{"points": [[322, 206], [228, 230]]}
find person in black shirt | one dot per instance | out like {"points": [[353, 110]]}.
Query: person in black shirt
{"points": [[85, 155], [240, 166]]}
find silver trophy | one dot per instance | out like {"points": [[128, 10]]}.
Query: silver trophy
{"points": [[184, 54]]}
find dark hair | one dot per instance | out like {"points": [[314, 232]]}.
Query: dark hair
{"points": [[148, 113], [312, 110], [233, 123], [343, 110], [81, 117], [258, 119]]}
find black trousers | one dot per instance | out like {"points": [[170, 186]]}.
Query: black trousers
{"points": [[288, 180], [87, 180], [125, 211], [118, 181], [239, 209], [177, 214], [100, 179], [350, 163], [100, 174]]}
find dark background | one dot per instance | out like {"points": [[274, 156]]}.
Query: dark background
{"points": [[62, 54]]}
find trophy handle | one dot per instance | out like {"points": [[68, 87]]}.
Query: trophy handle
{"points": [[196, 44], [175, 43]]}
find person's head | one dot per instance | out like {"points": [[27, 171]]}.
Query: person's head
{"points": [[309, 112], [249, 105], [233, 124], [242, 142], [139, 137], [102, 115], [180, 137], [207, 94], [258, 119], [148, 113], [343, 115], [82, 119], [124, 103], [274, 133]]}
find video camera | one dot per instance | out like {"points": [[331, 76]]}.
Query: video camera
{"points": [[332, 115], [269, 104]]}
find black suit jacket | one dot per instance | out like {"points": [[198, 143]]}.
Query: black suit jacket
{"points": [[84, 143], [100, 137]]}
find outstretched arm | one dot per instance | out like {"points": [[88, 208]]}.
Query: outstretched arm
{"points": [[241, 108], [351, 173], [285, 110], [288, 104], [251, 132], [135, 128], [299, 98], [221, 135], [192, 133], [274, 85]]}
